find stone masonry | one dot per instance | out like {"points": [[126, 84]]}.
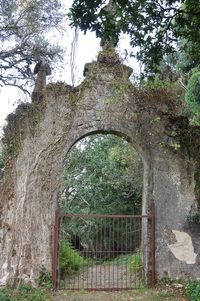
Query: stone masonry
{"points": [[39, 136]]}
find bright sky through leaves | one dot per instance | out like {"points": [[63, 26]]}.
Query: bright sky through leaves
{"points": [[87, 49]]}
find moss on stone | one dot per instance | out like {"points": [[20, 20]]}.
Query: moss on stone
{"points": [[24, 119]]}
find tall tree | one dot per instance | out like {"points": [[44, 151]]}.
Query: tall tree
{"points": [[24, 25], [154, 26]]}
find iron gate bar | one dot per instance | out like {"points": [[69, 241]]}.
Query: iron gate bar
{"points": [[150, 217]]}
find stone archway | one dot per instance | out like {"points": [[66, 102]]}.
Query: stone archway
{"points": [[38, 138]]}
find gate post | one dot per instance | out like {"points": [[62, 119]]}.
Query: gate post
{"points": [[55, 250]]}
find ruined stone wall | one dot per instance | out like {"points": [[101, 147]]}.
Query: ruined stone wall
{"points": [[38, 138]]}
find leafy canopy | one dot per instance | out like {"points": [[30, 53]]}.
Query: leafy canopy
{"points": [[154, 26]]}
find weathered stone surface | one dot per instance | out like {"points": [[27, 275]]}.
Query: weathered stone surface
{"points": [[38, 139]]}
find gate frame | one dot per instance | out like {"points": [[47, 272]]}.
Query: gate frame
{"points": [[152, 229]]}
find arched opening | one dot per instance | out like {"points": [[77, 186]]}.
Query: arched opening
{"points": [[103, 174], [101, 205]]}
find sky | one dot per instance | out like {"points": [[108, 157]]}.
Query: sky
{"points": [[86, 51]]}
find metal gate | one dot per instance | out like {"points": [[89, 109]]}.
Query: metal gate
{"points": [[101, 252]]}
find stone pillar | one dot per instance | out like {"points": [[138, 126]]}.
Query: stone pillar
{"points": [[42, 69]]}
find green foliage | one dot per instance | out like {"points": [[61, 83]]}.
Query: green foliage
{"points": [[170, 20], [135, 262], [195, 120], [192, 96], [176, 146], [157, 84], [103, 174], [69, 259], [193, 290], [122, 259], [44, 279], [24, 293], [186, 60], [194, 218], [2, 159], [197, 185], [4, 295]]}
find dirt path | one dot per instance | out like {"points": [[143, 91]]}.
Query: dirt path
{"points": [[104, 277]]}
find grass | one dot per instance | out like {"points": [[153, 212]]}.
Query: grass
{"points": [[193, 290], [133, 261], [160, 294], [28, 293]]}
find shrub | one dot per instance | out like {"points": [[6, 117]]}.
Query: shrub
{"points": [[24, 293], [193, 290], [44, 279], [29, 293], [135, 262], [121, 259], [69, 260]]}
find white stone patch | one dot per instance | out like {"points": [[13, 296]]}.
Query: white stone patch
{"points": [[183, 249]]}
